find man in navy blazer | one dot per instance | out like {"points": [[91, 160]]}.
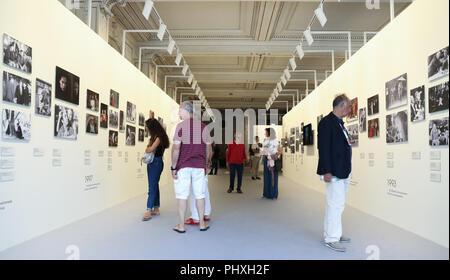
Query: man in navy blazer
{"points": [[335, 165]]}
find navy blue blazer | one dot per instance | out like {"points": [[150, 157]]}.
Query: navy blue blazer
{"points": [[335, 153]]}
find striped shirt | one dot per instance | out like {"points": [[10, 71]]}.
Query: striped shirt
{"points": [[193, 136]]}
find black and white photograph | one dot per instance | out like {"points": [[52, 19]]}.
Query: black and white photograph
{"points": [[397, 127], [141, 119], [438, 65], [397, 92], [121, 121], [67, 86], [373, 105], [319, 118], [417, 104], [353, 133], [91, 124], [374, 128], [113, 119], [362, 120], [43, 99], [114, 99], [131, 112], [113, 138], [66, 123], [103, 115], [130, 136], [438, 132], [353, 115], [141, 135], [16, 89], [438, 98], [16, 54], [92, 100], [16, 125]]}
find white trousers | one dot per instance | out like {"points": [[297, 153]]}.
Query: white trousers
{"points": [[336, 196], [193, 205], [188, 177]]}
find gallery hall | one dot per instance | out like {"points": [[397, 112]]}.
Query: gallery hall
{"points": [[217, 132]]}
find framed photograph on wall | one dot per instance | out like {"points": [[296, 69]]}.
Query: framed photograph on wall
{"points": [[141, 119], [396, 92], [43, 100], [67, 86], [92, 100], [362, 120], [114, 99], [141, 135], [373, 105], [374, 128], [121, 121], [353, 115], [397, 127], [438, 132], [16, 54], [113, 119], [113, 138], [66, 123], [438, 64], [131, 112], [130, 136], [353, 134], [438, 98], [417, 104], [91, 124], [16, 125], [16, 89], [104, 115]]}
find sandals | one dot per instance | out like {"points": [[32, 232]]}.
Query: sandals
{"points": [[205, 229], [177, 229], [155, 213], [191, 222], [146, 217]]}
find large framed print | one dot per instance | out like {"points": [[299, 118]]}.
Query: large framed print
{"points": [[16, 54], [67, 86], [438, 64], [16, 89], [397, 127], [438, 98], [396, 92]]}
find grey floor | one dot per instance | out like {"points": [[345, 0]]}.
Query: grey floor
{"points": [[243, 226]]}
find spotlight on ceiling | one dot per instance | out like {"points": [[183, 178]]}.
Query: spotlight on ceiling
{"points": [[178, 58], [275, 91], [279, 87], [161, 31], [300, 52], [147, 9], [185, 69], [197, 91], [308, 36], [191, 77], [292, 63], [321, 15], [171, 46], [287, 74], [194, 84], [283, 80]]}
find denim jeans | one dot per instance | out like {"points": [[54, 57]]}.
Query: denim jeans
{"points": [[233, 168], [154, 171]]}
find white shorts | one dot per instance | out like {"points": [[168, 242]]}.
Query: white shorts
{"points": [[186, 177]]}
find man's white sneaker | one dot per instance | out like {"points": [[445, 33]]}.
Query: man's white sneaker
{"points": [[336, 246], [344, 239]]}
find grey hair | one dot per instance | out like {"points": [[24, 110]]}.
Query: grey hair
{"points": [[338, 100], [187, 105]]}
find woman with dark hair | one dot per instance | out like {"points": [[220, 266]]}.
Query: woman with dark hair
{"points": [[271, 152], [159, 141]]}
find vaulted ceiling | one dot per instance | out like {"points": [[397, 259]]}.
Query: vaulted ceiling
{"points": [[237, 50]]}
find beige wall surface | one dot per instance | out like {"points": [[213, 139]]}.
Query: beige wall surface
{"points": [[42, 197], [401, 47]]}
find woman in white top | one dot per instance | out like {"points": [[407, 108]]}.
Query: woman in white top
{"points": [[271, 152]]}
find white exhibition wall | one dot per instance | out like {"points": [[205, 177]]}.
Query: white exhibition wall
{"points": [[389, 181], [92, 176]]}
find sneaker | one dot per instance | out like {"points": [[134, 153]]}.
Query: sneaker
{"points": [[229, 190], [257, 178], [344, 239], [336, 246]]}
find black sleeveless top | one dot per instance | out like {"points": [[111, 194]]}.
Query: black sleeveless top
{"points": [[159, 152]]}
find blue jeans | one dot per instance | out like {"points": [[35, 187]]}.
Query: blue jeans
{"points": [[233, 168], [154, 171], [269, 190]]}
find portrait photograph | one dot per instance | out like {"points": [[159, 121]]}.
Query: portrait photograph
{"points": [[66, 123], [16, 54], [67, 86], [438, 132], [130, 136], [103, 115], [16, 89], [91, 124], [113, 119], [353, 115], [397, 127], [43, 100], [131, 112], [417, 104], [396, 92], [121, 121], [438, 65], [373, 105], [141, 119], [141, 135], [362, 120], [114, 99], [353, 134], [438, 98], [16, 125], [374, 128], [92, 100], [113, 138]]}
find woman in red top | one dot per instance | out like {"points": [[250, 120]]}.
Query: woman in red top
{"points": [[235, 160]]}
